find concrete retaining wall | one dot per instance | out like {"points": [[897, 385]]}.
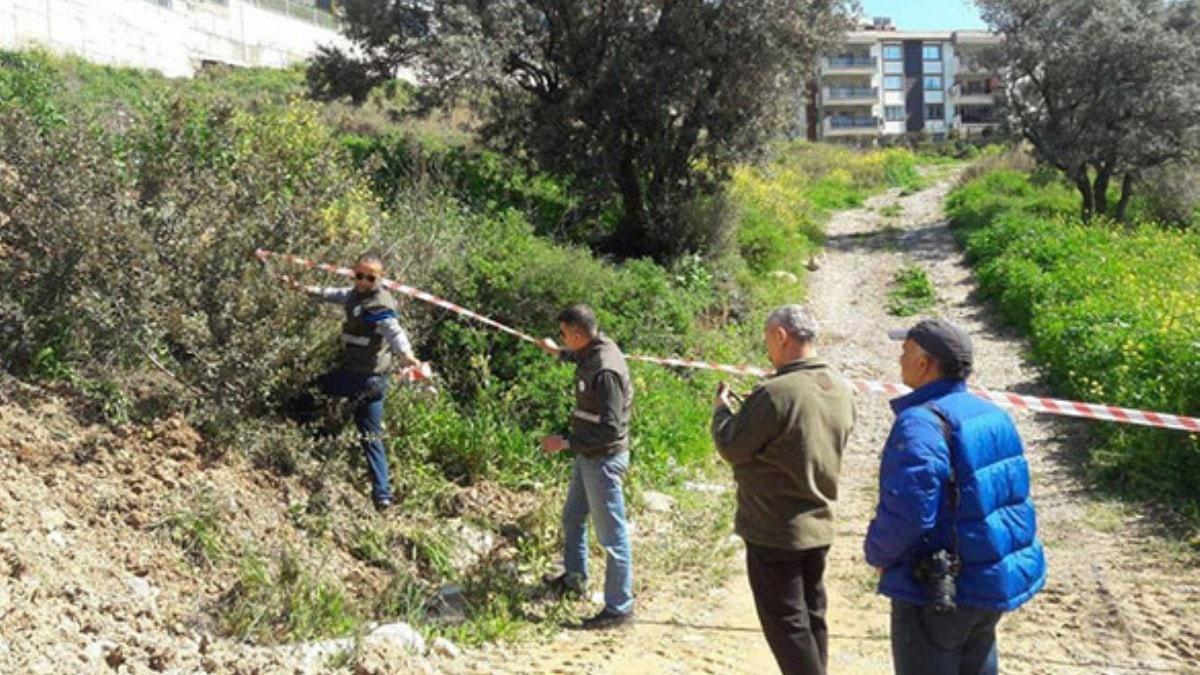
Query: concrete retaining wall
{"points": [[174, 37]]}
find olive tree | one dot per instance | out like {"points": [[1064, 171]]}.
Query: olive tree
{"points": [[1103, 90], [645, 103]]}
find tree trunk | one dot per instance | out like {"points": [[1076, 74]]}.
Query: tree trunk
{"points": [[1084, 186], [1127, 182], [632, 237], [1100, 191]]}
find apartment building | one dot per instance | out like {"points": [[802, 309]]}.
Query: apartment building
{"points": [[885, 82]]}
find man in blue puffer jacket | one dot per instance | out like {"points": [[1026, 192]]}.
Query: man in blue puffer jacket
{"points": [[1002, 564]]}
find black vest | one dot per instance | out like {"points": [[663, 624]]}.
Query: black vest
{"points": [[363, 350], [603, 354]]}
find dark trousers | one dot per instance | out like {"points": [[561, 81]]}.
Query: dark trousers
{"points": [[789, 595], [366, 392], [925, 643]]}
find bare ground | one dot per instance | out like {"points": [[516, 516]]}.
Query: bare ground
{"points": [[1122, 596]]}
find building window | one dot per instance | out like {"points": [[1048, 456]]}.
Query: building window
{"points": [[932, 52], [893, 83], [933, 84], [894, 113], [893, 53], [935, 111]]}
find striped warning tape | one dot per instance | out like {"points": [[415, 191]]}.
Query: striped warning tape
{"points": [[1008, 400]]}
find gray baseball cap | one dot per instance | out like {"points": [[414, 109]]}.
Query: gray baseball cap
{"points": [[947, 343]]}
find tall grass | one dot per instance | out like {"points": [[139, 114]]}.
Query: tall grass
{"points": [[1113, 313]]}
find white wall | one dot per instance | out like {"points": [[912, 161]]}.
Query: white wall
{"points": [[174, 41]]}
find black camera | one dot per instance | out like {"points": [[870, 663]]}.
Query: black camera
{"points": [[937, 573]]}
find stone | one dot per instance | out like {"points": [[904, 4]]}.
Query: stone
{"points": [[57, 538], [114, 657], [784, 275], [449, 606], [53, 519], [658, 502], [142, 589], [399, 634], [445, 648]]}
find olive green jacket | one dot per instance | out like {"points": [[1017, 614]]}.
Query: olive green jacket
{"points": [[785, 445]]}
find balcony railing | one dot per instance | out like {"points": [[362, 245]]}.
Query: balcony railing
{"points": [[853, 122], [844, 93], [849, 62], [975, 120], [313, 11]]}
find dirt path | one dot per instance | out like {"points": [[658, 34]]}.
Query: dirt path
{"points": [[1120, 598]]}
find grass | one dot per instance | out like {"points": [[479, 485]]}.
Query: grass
{"points": [[198, 530], [281, 599], [912, 292], [891, 211]]}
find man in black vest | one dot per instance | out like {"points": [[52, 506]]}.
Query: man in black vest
{"points": [[599, 437], [370, 334]]}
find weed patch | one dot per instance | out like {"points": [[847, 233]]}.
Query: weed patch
{"points": [[912, 292]]}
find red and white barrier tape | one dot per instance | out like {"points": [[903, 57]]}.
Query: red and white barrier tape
{"points": [[1031, 403]]}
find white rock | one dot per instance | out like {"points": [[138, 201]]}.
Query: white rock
{"points": [[784, 275], [597, 597], [658, 502], [400, 634], [141, 588], [57, 538], [98, 650], [445, 648], [313, 655], [52, 519]]}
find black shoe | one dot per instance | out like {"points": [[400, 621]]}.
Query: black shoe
{"points": [[564, 585], [606, 619], [382, 505]]}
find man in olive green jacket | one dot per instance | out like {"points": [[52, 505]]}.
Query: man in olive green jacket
{"points": [[785, 446]]}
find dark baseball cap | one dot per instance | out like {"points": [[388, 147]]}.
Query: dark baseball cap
{"points": [[947, 343]]}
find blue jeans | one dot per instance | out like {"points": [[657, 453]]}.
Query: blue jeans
{"points": [[596, 489], [366, 392], [925, 643]]}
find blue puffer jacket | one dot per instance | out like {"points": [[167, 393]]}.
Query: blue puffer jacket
{"points": [[1003, 563]]}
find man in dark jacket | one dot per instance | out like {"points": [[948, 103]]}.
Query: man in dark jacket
{"points": [[599, 438], [785, 445], [953, 486], [371, 333]]}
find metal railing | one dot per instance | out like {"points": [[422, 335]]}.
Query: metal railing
{"points": [[841, 93], [853, 122], [312, 11], [838, 62], [975, 119]]}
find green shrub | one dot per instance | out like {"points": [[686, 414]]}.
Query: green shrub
{"points": [[1113, 312]]}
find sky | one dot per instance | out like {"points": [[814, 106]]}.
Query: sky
{"points": [[926, 14]]}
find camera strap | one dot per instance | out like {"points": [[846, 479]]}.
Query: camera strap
{"points": [[953, 482]]}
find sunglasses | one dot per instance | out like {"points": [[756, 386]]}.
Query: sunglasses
{"points": [[360, 276]]}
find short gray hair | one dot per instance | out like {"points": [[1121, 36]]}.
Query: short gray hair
{"points": [[796, 320]]}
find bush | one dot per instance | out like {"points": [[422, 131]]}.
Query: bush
{"points": [[1114, 315]]}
